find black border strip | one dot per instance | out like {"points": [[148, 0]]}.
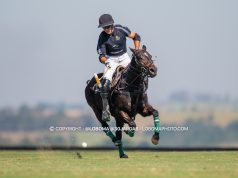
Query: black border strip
{"points": [[114, 148]]}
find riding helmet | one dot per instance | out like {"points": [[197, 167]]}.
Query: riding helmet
{"points": [[105, 20]]}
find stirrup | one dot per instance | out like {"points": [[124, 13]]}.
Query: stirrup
{"points": [[106, 115]]}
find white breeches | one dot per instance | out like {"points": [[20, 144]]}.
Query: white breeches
{"points": [[114, 62]]}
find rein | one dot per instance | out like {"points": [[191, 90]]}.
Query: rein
{"points": [[133, 73], [142, 73]]}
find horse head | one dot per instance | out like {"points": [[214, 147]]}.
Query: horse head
{"points": [[143, 61]]}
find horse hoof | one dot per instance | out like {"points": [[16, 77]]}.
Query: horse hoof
{"points": [[155, 139], [124, 156], [117, 143]]}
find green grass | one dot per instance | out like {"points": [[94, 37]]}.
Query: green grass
{"points": [[107, 164]]}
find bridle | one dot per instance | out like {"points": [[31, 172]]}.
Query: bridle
{"points": [[142, 73], [144, 69]]}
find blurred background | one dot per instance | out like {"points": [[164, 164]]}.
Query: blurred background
{"points": [[48, 52]]}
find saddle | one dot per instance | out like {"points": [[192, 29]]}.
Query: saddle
{"points": [[115, 78]]}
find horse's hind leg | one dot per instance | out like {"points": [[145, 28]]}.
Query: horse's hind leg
{"points": [[115, 139], [148, 110], [118, 141], [106, 127]]}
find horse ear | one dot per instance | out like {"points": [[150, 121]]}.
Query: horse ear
{"points": [[133, 50], [144, 47]]}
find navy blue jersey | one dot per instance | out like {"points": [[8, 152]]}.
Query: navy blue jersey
{"points": [[115, 44]]}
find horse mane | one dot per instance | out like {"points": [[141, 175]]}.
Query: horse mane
{"points": [[131, 79]]}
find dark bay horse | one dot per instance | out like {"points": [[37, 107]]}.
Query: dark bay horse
{"points": [[127, 98]]}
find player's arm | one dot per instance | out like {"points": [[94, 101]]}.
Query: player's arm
{"points": [[101, 49], [136, 38]]}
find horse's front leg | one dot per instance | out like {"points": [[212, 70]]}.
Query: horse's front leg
{"points": [[128, 120], [124, 107], [148, 110]]}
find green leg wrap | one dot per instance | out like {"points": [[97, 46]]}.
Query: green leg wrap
{"points": [[110, 134], [121, 150], [157, 124], [131, 133]]}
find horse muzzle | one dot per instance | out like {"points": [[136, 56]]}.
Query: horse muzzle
{"points": [[152, 71]]}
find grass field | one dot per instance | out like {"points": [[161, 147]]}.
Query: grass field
{"points": [[24, 164]]}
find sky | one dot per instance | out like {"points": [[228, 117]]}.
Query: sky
{"points": [[48, 47]]}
